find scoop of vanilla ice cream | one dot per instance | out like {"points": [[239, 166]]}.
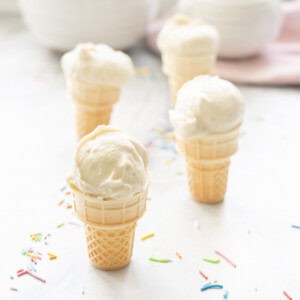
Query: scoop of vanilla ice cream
{"points": [[97, 65], [186, 36], [110, 164], [207, 105]]}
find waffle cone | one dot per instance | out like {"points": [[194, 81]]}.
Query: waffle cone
{"points": [[181, 69], [207, 162], [109, 227], [93, 105]]}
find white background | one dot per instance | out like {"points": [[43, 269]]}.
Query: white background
{"points": [[252, 226]]}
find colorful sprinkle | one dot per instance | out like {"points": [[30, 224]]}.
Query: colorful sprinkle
{"points": [[69, 206], [225, 296], [36, 277], [213, 261], [203, 275], [61, 202], [19, 274], [296, 226], [227, 259], [13, 289], [160, 260], [73, 223], [211, 286], [287, 295], [60, 225], [147, 236], [12, 277], [52, 256], [68, 193], [63, 188], [179, 255]]}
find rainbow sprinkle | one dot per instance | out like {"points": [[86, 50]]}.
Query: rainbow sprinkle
{"points": [[203, 275], [224, 257], [145, 237], [287, 295], [213, 261], [211, 286], [160, 260], [295, 226]]}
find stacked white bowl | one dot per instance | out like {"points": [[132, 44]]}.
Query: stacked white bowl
{"points": [[245, 26], [61, 24]]}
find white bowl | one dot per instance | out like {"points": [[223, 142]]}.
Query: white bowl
{"points": [[245, 27], [62, 24]]}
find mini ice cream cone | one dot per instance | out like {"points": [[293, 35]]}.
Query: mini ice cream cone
{"points": [[93, 105], [188, 49], [109, 227], [207, 162], [206, 119], [109, 181], [94, 75]]}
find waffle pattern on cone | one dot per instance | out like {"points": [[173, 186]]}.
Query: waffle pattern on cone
{"points": [[208, 180], [110, 249], [207, 161]]}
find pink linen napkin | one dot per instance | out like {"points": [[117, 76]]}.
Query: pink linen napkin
{"points": [[278, 64]]}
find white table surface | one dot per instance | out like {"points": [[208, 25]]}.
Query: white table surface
{"points": [[252, 226]]}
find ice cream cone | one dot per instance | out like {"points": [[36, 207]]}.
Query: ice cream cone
{"points": [[207, 161], [189, 48], [109, 227], [94, 76], [93, 105]]}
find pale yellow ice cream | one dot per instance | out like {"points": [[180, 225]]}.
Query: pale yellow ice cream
{"points": [[207, 105], [97, 65], [110, 164], [185, 36]]}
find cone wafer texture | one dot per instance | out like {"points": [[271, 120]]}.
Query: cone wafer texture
{"points": [[109, 227], [207, 162]]}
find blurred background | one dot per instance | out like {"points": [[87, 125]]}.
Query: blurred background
{"points": [[265, 33]]}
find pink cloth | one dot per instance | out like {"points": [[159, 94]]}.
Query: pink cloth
{"points": [[279, 64]]}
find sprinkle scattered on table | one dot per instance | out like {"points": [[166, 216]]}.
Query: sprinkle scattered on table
{"points": [[160, 260], [63, 188], [203, 275], [287, 295], [213, 261], [296, 226], [211, 286], [74, 223], [225, 296], [61, 202], [60, 225], [224, 257], [14, 289], [52, 256], [69, 206], [145, 237], [179, 255]]}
